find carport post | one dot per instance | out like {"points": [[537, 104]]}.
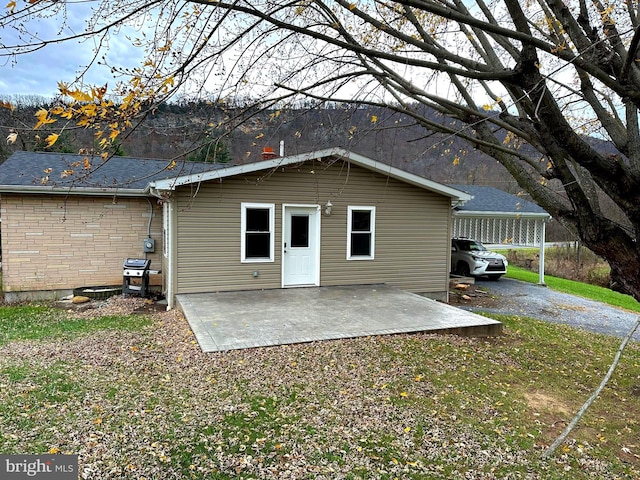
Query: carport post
{"points": [[541, 256]]}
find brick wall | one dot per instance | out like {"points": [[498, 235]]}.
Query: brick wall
{"points": [[57, 242]]}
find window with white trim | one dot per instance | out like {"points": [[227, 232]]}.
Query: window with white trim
{"points": [[361, 229], [256, 241]]}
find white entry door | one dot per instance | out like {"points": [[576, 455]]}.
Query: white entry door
{"points": [[301, 246]]}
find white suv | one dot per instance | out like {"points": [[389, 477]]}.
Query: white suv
{"points": [[470, 257]]}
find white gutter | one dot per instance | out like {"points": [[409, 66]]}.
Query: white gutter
{"points": [[89, 191]]}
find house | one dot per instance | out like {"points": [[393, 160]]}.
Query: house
{"points": [[325, 218], [70, 220]]}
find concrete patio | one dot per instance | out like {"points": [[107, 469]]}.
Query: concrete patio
{"points": [[248, 319]]}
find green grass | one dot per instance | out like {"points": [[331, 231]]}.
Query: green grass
{"points": [[576, 288], [401, 406], [35, 322]]}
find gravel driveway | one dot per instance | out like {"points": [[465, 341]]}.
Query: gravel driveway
{"points": [[531, 300]]}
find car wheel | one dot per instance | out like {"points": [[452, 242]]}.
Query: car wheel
{"points": [[463, 269], [495, 277]]}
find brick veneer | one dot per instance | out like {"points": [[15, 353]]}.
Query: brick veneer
{"points": [[57, 242]]}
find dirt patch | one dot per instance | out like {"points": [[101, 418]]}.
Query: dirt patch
{"points": [[542, 402], [471, 295]]}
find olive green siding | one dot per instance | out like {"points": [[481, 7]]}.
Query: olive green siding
{"points": [[412, 228]]}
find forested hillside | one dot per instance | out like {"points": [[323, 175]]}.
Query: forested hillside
{"points": [[174, 130]]}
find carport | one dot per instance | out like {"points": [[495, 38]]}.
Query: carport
{"points": [[496, 217], [247, 319]]}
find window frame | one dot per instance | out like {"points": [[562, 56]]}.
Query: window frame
{"points": [[243, 232], [372, 231]]}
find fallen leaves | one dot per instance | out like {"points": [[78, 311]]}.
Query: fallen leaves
{"points": [[152, 404]]}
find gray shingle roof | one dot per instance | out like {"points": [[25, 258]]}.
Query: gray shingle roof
{"points": [[489, 199], [27, 169]]}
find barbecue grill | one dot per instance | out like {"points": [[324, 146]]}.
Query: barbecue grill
{"points": [[135, 276]]}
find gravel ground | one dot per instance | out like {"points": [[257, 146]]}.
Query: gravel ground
{"points": [[526, 299]]}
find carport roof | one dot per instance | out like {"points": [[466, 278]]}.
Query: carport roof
{"points": [[489, 201]]}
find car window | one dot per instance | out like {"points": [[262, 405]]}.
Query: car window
{"points": [[476, 247], [470, 246]]}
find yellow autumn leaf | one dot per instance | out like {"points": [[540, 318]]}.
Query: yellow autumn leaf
{"points": [[89, 110], [172, 165], [51, 139], [456, 160], [403, 394], [99, 92], [374, 118], [63, 88], [352, 6], [114, 134], [43, 118], [54, 450], [168, 82], [80, 96]]}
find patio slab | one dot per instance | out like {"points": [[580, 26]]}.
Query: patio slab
{"points": [[248, 319]]}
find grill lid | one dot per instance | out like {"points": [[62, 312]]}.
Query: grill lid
{"points": [[137, 263]]}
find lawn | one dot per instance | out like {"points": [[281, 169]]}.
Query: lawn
{"points": [[585, 290], [135, 398]]}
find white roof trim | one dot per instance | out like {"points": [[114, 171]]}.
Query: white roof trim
{"points": [[471, 213], [341, 153]]}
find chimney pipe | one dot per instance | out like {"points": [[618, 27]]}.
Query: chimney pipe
{"points": [[268, 153]]}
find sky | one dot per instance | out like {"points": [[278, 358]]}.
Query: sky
{"points": [[38, 73]]}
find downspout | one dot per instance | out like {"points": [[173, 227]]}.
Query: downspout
{"points": [[168, 243]]}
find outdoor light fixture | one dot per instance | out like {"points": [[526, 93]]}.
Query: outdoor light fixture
{"points": [[327, 208]]}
